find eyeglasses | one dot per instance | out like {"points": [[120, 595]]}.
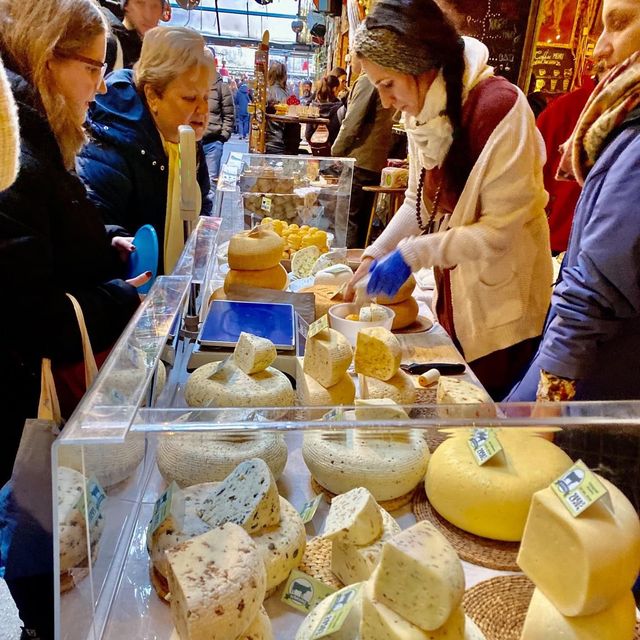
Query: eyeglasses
{"points": [[90, 61]]}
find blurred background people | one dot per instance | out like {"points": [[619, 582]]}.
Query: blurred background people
{"points": [[281, 138], [242, 101], [306, 90], [321, 137], [342, 89]]}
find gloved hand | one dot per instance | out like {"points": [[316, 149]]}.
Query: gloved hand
{"points": [[388, 275]]}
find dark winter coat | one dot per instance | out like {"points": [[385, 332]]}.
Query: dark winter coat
{"points": [[242, 100], [222, 114], [125, 167]]}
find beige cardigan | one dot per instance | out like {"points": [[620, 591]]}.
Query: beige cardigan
{"points": [[9, 136]]}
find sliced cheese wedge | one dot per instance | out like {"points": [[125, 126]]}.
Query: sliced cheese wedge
{"points": [[379, 409], [420, 576], [354, 518], [378, 353], [461, 399], [259, 629], [310, 393], [327, 357], [582, 565], [253, 353], [399, 388]]}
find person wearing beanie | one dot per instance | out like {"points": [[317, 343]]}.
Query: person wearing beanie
{"points": [[474, 207], [9, 146]]}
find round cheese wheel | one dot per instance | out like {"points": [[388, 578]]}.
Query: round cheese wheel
{"points": [[406, 313], [255, 250], [492, 500], [194, 458], [323, 302], [273, 278], [403, 293], [216, 385], [388, 464]]}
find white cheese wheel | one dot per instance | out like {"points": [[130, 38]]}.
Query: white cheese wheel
{"points": [[352, 563], [462, 399], [303, 261], [255, 250], [336, 275], [400, 388], [253, 353], [354, 518], [217, 584], [403, 293], [327, 357], [492, 500], [378, 353], [388, 465], [194, 458], [225, 385], [584, 564], [544, 621], [406, 313], [420, 576]]}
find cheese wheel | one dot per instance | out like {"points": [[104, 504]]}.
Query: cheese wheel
{"points": [[274, 278], [334, 276], [323, 301], [492, 500], [217, 584], [255, 250], [253, 353], [195, 458], [403, 293], [461, 399], [584, 564], [544, 621], [400, 388], [327, 357], [225, 385], [378, 353], [406, 313], [388, 465]]}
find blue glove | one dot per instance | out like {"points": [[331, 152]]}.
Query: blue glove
{"points": [[388, 275]]}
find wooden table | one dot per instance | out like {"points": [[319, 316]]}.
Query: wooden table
{"points": [[297, 119], [397, 198]]}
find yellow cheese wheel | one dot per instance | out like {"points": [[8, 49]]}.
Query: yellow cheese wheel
{"points": [[322, 299], [255, 250], [274, 278], [406, 313], [492, 500], [404, 293]]}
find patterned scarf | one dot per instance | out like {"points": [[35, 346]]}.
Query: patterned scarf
{"points": [[617, 94]]}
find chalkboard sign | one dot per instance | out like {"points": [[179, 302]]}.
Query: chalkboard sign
{"points": [[553, 69]]}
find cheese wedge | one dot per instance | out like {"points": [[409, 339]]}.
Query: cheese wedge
{"points": [[545, 622], [327, 357], [335, 275], [379, 622], [399, 388], [379, 409], [378, 353], [352, 563], [372, 313], [273, 278], [468, 400], [253, 353], [247, 497], [217, 584], [582, 565], [420, 576], [259, 629], [255, 250], [492, 500], [303, 261], [354, 518], [310, 393]]}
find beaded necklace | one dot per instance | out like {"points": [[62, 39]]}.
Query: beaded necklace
{"points": [[430, 226]]}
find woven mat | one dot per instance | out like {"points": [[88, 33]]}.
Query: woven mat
{"points": [[316, 562], [492, 554], [387, 505]]}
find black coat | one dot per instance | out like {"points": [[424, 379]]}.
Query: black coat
{"points": [[52, 241], [125, 167]]}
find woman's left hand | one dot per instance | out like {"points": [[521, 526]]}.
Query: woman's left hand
{"points": [[388, 275], [124, 247]]}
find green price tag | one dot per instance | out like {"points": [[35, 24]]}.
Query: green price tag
{"points": [[163, 507], [579, 488], [95, 497], [302, 592], [484, 445], [319, 325], [309, 509], [339, 608]]}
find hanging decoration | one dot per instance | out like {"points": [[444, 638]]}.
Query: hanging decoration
{"points": [[263, 2], [188, 4], [297, 26]]}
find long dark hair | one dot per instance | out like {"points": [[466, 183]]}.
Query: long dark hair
{"points": [[327, 89]]}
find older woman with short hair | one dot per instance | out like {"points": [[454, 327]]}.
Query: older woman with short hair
{"points": [[131, 165]]}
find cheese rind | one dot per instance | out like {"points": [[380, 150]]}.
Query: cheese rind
{"points": [[582, 565], [378, 353], [327, 357], [492, 500], [399, 388], [420, 576], [545, 622], [253, 353], [273, 278], [248, 497], [354, 518], [255, 250], [217, 584]]}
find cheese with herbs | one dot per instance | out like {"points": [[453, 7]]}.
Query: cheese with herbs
{"points": [[467, 399], [354, 518], [379, 409], [400, 388], [253, 353], [378, 353], [303, 261], [310, 393], [327, 357]]}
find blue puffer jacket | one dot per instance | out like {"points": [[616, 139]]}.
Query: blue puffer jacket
{"points": [[242, 100], [592, 334], [124, 166]]}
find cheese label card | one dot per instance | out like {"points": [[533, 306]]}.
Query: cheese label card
{"points": [[166, 505], [309, 509], [579, 488], [484, 445], [335, 415], [95, 497], [319, 325], [339, 609], [302, 592], [266, 204]]}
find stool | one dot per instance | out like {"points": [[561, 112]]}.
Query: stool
{"points": [[396, 196]]}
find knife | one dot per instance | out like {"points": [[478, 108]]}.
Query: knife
{"points": [[445, 368]]}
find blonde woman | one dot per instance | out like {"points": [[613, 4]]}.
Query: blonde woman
{"points": [[131, 165], [52, 241], [8, 133]]}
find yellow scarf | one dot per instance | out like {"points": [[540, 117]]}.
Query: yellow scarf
{"points": [[173, 227]]}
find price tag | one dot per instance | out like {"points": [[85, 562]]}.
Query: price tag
{"points": [[579, 488], [484, 445], [165, 506], [319, 325], [266, 204], [95, 497], [339, 608], [335, 415], [302, 592], [309, 509]]}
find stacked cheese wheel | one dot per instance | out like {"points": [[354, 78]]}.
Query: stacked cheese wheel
{"points": [[322, 378], [247, 497], [583, 568], [403, 304], [254, 260]]}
